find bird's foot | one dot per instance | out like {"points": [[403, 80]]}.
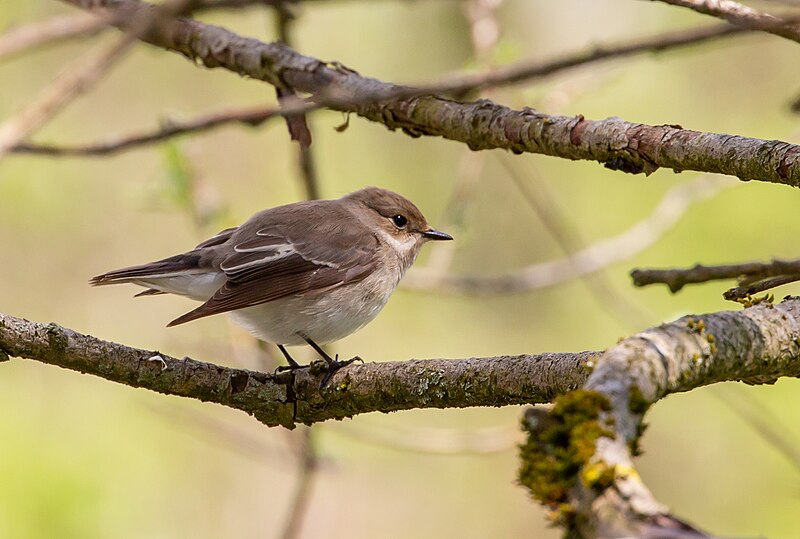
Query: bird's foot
{"points": [[334, 365], [292, 367], [292, 364]]}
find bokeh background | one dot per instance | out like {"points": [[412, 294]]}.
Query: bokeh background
{"points": [[83, 457]]}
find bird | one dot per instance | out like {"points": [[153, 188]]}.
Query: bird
{"points": [[309, 272]]}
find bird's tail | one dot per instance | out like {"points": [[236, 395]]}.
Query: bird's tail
{"points": [[168, 267]]}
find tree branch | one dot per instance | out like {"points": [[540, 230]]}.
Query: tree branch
{"points": [[482, 124], [79, 77], [384, 387], [753, 277], [526, 71], [578, 459], [743, 16], [251, 117]]}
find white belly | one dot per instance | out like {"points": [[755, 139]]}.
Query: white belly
{"points": [[325, 318]]}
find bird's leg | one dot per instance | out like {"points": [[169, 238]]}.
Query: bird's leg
{"points": [[333, 363], [292, 364]]}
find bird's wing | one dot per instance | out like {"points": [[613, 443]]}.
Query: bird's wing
{"points": [[271, 258]]}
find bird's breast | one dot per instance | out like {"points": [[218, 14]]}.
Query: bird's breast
{"points": [[325, 317]]}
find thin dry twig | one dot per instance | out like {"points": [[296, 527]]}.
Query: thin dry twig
{"points": [[25, 38], [307, 471], [589, 260], [753, 277], [570, 240], [296, 123], [745, 291], [526, 71], [484, 31], [251, 117], [80, 76], [223, 433]]}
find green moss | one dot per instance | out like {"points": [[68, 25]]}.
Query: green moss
{"points": [[637, 404], [560, 446], [635, 448], [344, 385]]}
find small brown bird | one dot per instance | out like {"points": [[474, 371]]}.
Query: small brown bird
{"points": [[309, 272]]}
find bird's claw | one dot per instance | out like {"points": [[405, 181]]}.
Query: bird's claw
{"points": [[289, 368], [334, 365]]}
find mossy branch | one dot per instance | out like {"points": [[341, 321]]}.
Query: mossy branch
{"points": [[483, 124], [579, 456], [285, 399]]}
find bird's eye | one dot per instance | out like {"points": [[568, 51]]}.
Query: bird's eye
{"points": [[399, 221]]}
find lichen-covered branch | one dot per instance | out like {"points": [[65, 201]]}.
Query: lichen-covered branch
{"points": [[482, 124], [272, 399], [579, 456]]}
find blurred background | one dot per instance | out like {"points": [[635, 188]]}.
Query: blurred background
{"points": [[83, 457]]}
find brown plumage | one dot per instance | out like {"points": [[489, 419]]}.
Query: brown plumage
{"points": [[295, 253]]}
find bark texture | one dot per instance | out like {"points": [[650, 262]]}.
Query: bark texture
{"points": [[285, 399], [482, 124], [579, 456]]}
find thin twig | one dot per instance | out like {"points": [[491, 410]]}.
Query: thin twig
{"points": [[79, 77], [225, 434], [296, 123], [569, 239], [677, 278], [307, 469], [251, 117], [589, 260], [47, 32], [527, 71], [743, 291]]}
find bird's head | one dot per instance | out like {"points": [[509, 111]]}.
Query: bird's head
{"points": [[397, 220]]}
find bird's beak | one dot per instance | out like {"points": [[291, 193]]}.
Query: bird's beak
{"points": [[432, 234]]}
